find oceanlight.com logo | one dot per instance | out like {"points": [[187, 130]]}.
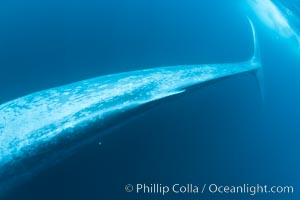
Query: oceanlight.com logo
{"points": [[207, 188]]}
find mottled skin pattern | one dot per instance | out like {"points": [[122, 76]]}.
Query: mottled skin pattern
{"points": [[35, 123], [37, 118]]}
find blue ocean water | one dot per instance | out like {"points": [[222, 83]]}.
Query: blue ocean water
{"points": [[223, 133]]}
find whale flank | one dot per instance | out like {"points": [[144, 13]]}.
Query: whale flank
{"points": [[45, 122]]}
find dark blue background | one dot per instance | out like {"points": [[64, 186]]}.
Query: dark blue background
{"points": [[222, 133]]}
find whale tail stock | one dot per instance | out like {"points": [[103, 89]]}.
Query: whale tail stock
{"points": [[256, 60]]}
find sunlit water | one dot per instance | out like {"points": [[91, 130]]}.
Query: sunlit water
{"points": [[221, 133]]}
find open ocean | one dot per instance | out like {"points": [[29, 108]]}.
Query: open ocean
{"points": [[230, 132]]}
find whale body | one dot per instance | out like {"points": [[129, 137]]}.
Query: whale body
{"points": [[278, 17], [36, 126]]}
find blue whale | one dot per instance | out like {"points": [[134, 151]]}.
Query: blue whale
{"points": [[41, 128]]}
